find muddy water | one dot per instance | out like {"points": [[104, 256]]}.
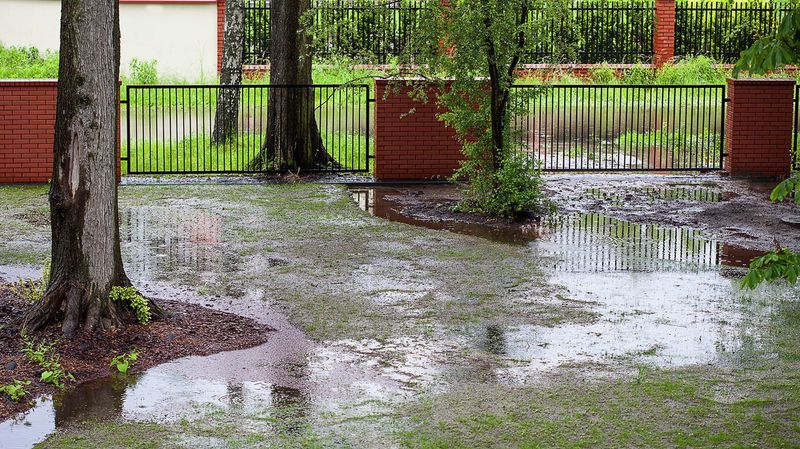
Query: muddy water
{"points": [[662, 295]]}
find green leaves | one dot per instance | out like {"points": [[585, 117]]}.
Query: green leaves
{"points": [[131, 297], [41, 353], [124, 362], [773, 52], [786, 189], [15, 391], [781, 264]]}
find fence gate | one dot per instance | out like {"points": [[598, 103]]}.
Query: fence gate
{"points": [[171, 129], [620, 127]]}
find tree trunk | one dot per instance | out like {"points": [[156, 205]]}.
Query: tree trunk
{"points": [[227, 115], [86, 258], [293, 139]]}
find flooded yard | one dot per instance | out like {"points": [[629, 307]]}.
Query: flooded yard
{"points": [[616, 322]]}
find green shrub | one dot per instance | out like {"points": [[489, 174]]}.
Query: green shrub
{"points": [[513, 191], [27, 62], [638, 74], [143, 72], [15, 391], [131, 297]]}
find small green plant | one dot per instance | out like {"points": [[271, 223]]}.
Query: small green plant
{"points": [[143, 72], [124, 362], [15, 391], [31, 290], [41, 353], [53, 373], [782, 263], [131, 297], [36, 352], [604, 74]]}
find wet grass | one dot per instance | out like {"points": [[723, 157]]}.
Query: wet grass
{"points": [[199, 154], [342, 275], [24, 224]]}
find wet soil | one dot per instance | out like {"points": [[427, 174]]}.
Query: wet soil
{"points": [[187, 330], [735, 211]]}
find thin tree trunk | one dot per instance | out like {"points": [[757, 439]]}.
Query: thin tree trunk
{"points": [[86, 258], [227, 116], [293, 140]]}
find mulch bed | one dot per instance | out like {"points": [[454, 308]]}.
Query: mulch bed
{"points": [[188, 330]]}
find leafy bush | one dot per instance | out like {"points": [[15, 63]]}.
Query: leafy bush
{"points": [[131, 297], [27, 62], [143, 72], [513, 191], [124, 362], [31, 290], [15, 391]]}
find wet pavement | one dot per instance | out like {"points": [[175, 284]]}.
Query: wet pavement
{"points": [[661, 295]]}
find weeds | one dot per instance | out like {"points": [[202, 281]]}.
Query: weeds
{"points": [[31, 290], [41, 353], [124, 362], [15, 391]]}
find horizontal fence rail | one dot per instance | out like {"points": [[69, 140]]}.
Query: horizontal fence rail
{"points": [[171, 129], [722, 29], [620, 127]]}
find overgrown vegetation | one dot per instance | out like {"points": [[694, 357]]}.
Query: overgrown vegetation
{"points": [[130, 297]]}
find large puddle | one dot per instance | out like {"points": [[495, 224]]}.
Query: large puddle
{"points": [[663, 296]]}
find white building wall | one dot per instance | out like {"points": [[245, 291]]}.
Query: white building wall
{"points": [[182, 37]]}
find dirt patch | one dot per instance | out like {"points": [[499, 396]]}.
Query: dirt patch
{"points": [[735, 211], [188, 330]]}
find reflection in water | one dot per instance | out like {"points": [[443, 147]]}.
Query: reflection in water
{"points": [[589, 242], [162, 241], [702, 194]]}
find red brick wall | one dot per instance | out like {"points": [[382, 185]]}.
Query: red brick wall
{"points": [[220, 32], [758, 127], [664, 32], [27, 124], [27, 129], [411, 146]]}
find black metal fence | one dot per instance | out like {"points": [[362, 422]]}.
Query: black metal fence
{"points": [[619, 31], [721, 29], [355, 28], [170, 129], [600, 30], [620, 127]]}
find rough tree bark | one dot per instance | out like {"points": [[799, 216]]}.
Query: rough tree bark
{"points": [[86, 259], [293, 139], [227, 116]]}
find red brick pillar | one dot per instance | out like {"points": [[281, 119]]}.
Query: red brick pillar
{"points": [[664, 32], [220, 32], [411, 143], [758, 127]]}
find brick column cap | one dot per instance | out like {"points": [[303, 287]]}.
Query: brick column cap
{"points": [[753, 81], [41, 82]]}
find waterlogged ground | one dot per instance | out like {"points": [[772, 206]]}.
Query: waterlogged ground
{"points": [[592, 328]]}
